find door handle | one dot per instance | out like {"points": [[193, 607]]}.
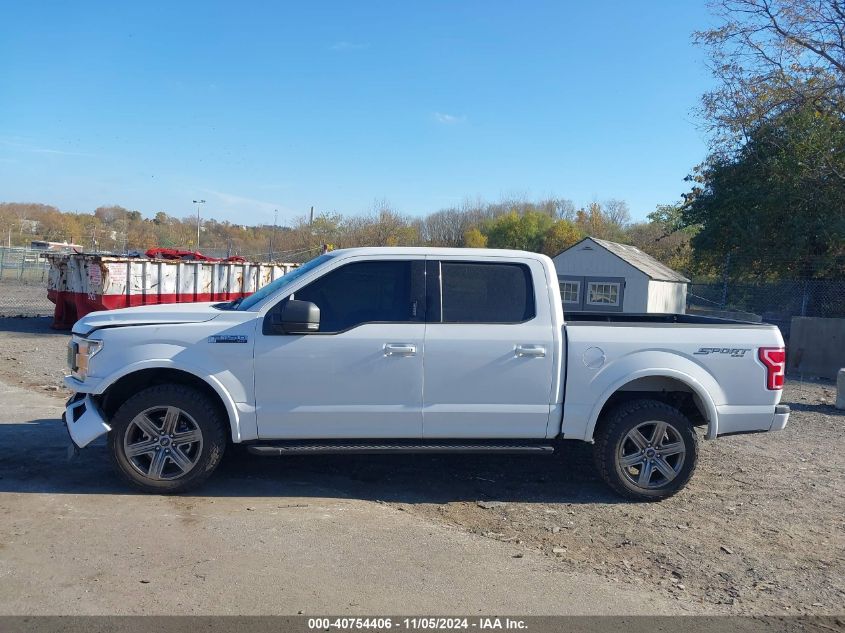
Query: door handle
{"points": [[400, 349], [537, 351]]}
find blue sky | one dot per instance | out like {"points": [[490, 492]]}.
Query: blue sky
{"points": [[257, 106]]}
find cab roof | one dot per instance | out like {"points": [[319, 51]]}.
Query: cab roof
{"points": [[437, 252]]}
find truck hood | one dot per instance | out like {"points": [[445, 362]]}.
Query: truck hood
{"points": [[147, 315]]}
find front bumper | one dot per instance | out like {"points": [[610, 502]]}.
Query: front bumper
{"points": [[84, 420]]}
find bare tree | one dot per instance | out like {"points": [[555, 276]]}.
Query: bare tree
{"points": [[444, 228], [617, 212], [772, 55]]}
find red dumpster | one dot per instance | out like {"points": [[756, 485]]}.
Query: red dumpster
{"points": [[80, 283]]}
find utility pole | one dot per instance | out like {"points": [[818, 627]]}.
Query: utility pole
{"points": [[125, 231], [273, 235], [311, 221], [198, 203]]}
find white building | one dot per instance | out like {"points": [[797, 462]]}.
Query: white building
{"points": [[600, 276]]}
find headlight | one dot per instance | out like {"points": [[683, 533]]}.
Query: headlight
{"points": [[80, 353]]}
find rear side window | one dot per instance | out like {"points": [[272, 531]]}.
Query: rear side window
{"points": [[486, 293]]}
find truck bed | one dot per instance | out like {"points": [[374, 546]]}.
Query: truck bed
{"points": [[634, 319]]}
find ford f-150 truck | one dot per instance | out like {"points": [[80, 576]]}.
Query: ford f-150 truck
{"points": [[375, 350]]}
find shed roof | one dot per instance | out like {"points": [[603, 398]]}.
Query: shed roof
{"points": [[638, 259]]}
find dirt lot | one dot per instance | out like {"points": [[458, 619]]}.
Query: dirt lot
{"points": [[32, 355], [759, 530]]}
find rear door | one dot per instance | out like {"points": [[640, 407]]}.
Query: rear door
{"points": [[490, 351]]}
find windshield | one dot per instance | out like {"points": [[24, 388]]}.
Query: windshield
{"points": [[282, 282]]}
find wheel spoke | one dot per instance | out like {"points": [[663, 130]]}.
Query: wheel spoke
{"points": [[171, 418], [187, 437], [157, 465], [645, 474], [658, 433], [638, 438], [180, 459], [141, 448], [665, 469], [144, 423], [667, 450], [631, 460]]}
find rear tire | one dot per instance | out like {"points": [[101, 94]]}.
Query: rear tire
{"points": [[167, 439], [646, 450]]}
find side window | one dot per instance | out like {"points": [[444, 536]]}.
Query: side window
{"points": [[486, 293], [363, 292], [603, 294], [570, 291]]}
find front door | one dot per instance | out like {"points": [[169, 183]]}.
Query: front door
{"points": [[361, 375]]}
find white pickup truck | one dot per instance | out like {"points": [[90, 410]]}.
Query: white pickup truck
{"points": [[375, 350]]}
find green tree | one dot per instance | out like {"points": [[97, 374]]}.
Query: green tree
{"points": [[524, 232], [665, 237], [777, 206]]}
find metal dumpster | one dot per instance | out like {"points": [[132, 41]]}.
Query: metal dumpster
{"points": [[80, 283]]}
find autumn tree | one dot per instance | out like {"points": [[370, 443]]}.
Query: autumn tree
{"points": [[606, 221], [547, 225], [560, 236], [473, 238]]}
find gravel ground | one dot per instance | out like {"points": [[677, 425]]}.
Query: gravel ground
{"points": [[759, 530], [32, 355]]}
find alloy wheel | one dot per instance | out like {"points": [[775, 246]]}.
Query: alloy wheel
{"points": [[652, 454], [163, 443]]}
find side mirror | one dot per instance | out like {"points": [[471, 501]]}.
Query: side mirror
{"points": [[295, 317]]}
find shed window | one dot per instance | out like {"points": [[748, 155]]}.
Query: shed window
{"points": [[603, 294], [570, 291]]}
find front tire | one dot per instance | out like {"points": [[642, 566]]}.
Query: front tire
{"points": [[646, 450], [167, 439]]}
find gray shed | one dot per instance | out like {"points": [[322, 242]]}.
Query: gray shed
{"points": [[600, 276]]}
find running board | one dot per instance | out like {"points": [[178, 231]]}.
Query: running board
{"points": [[378, 448]]}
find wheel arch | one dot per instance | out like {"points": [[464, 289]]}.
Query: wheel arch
{"points": [[663, 384], [117, 388]]}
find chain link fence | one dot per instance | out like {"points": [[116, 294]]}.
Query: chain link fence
{"points": [[23, 283], [775, 302]]}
